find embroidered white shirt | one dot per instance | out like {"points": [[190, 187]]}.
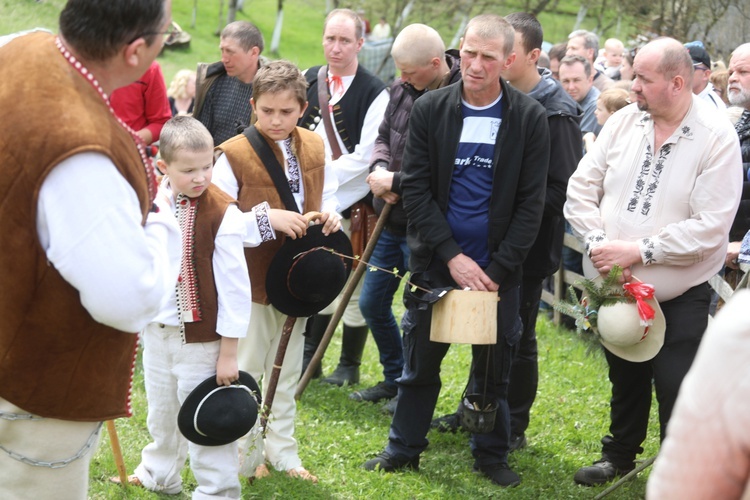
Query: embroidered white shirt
{"points": [[353, 167], [678, 203], [230, 275]]}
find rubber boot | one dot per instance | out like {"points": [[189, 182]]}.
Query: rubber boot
{"points": [[352, 347], [314, 330]]}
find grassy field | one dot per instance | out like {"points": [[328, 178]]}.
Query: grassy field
{"points": [[337, 435]]}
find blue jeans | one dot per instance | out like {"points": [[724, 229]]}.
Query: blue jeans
{"points": [[376, 299]]}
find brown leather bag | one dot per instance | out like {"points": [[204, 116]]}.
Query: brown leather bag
{"points": [[363, 220]]}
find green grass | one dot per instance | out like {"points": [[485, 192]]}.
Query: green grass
{"points": [[337, 435]]}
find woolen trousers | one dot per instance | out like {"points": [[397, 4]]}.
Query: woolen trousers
{"points": [[44, 440], [257, 352], [172, 369]]}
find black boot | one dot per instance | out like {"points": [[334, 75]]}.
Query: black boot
{"points": [[352, 347], [314, 330]]}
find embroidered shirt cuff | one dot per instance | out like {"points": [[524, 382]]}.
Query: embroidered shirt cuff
{"points": [[651, 250], [264, 223], [594, 239]]}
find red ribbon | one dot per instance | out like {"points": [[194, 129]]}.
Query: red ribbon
{"points": [[338, 84], [642, 292]]}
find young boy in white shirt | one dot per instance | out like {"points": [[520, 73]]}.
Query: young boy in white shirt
{"points": [[196, 333]]}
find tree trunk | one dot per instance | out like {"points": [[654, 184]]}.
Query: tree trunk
{"points": [[276, 37], [580, 17], [221, 18], [232, 11]]}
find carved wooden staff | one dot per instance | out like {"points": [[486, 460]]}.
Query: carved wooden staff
{"points": [[286, 333]]}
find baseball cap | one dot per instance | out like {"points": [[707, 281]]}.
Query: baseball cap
{"points": [[698, 54]]}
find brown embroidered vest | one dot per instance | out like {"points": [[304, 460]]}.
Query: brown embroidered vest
{"points": [[55, 359], [256, 186], [210, 210]]}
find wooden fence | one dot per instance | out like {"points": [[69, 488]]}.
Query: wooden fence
{"points": [[562, 279]]}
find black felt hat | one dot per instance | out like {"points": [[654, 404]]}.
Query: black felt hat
{"points": [[302, 281], [214, 415]]}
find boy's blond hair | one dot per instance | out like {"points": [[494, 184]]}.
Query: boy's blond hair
{"points": [[183, 133], [278, 76]]}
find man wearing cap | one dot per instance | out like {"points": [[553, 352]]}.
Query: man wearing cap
{"points": [[702, 87], [656, 196]]}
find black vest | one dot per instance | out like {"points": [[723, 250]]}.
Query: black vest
{"points": [[349, 113]]}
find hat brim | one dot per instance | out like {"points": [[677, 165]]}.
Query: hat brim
{"points": [[185, 417], [277, 287], [649, 347]]}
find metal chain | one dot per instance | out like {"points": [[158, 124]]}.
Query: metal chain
{"points": [[57, 464], [19, 416]]}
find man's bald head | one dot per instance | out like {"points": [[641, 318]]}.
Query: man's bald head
{"points": [[674, 61], [417, 44]]}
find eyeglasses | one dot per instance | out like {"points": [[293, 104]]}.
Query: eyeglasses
{"points": [[172, 31]]}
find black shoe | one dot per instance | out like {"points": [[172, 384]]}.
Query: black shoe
{"points": [[390, 406], [603, 471], [388, 463], [343, 375], [500, 474], [516, 443], [375, 393], [447, 423]]}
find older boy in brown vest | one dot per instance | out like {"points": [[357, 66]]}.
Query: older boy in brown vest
{"points": [[295, 157]]}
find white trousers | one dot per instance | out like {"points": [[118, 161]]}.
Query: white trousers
{"points": [[257, 352], [352, 315], [172, 370], [44, 440]]}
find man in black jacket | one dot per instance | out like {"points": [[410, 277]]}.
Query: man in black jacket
{"points": [[473, 182], [563, 117]]}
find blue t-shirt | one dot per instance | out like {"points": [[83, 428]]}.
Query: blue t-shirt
{"points": [[471, 186]]}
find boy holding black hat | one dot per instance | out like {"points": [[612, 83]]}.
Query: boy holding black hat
{"points": [[277, 171], [196, 332]]}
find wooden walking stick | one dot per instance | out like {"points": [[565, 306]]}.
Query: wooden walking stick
{"points": [[117, 453], [286, 333], [345, 297]]}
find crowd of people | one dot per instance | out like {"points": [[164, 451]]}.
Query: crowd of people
{"points": [[480, 158]]}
